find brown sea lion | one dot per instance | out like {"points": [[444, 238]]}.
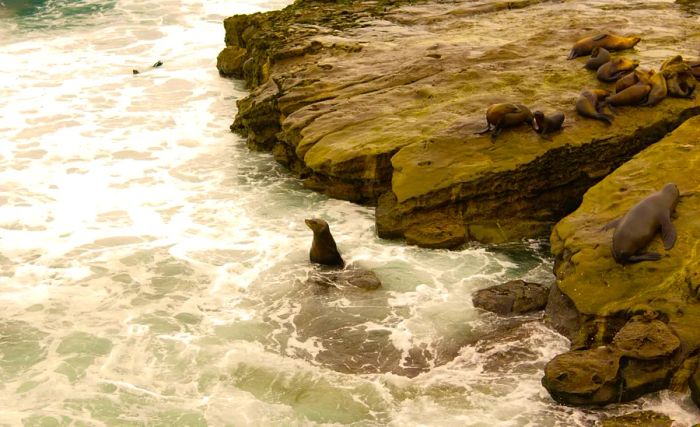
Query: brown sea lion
{"points": [[547, 124], [589, 104], [659, 90], [639, 225], [599, 56], [632, 79], [615, 69], [506, 115], [680, 79], [608, 41], [323, 248], [695, 68], [633, 95]]}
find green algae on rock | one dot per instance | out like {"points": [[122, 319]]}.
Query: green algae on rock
{"points": [[605, 294], [379, 102]]}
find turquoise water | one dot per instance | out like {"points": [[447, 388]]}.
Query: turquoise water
{"points": [[152, 269]]}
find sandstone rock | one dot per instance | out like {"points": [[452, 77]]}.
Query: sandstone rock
{"points": [[639, 419], [584, 377], [514, 297], [350, 277], [560, 313], [372, 98], [605, 292], [230, 61], [646, 340]]}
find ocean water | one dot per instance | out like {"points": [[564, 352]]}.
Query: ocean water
{"points": [[152, 269]]}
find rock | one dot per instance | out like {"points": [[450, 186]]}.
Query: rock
{"points": [[694, 384], [230, 61], [379, 103], [350, 277], [639, 418], [646, 340], [584, 377], [604, 293], [560, 313], [514, 297]]}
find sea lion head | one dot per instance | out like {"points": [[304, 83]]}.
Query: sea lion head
{"points": [[670, 190], [539, 120], [316, 225]]}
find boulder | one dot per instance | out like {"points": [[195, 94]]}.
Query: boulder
{"points": [[638, 419], [514, 297], [351, 276], [380, 102]]}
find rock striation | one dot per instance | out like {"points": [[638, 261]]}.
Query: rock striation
{"points": [[639, 321], [378, 102]]}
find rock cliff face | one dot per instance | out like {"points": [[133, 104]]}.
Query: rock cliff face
{"points": [[654, 306], [379, 102]]}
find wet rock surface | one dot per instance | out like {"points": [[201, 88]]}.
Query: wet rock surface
{"points": [[510, 298], [350, 277], [379, 103], [638, 419], [647, 312]]}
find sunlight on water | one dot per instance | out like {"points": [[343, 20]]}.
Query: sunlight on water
{"points": [[153, 269]]}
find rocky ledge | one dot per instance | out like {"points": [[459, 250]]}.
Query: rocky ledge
{"points": [[634, 328], [378, 102]]}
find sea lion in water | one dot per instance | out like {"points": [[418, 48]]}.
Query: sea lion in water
{"points": [[639, 225], [156, 65], [633, 95], [599, 56], [589, 104], [506, 115], [615, 69], [547, 124], [323, 248], [608, 41]]}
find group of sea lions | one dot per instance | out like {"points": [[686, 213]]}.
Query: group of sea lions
{"points": [[633, 86], [506, 115]]}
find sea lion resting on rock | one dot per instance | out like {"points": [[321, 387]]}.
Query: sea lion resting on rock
{"points": [[680, 79], [506, 115], [590, 104], [615, 69], [639, 225], [547, 124], [608, 41], [633, 95], [599, 56], [659, 89], [632, 79]]}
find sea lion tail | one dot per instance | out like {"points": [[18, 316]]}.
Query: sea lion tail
{"points": [[605, 117]]}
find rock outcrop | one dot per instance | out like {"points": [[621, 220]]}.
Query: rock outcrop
{"points": [[510, 298], [662, 295], [379, 102]]}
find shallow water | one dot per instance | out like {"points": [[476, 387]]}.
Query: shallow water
{"points": [[152, 268]]}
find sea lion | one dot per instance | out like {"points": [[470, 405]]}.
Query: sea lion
{"points": [[615, 69], [547, 124], [639, 225], [599, 56], [680, 79], [323, 248], [695, 69], [506, 115], [608, 41], [632, 79], [155, 65], [659, 90], [589, 104], [633, 95]]}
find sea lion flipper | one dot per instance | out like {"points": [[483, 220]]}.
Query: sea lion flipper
{"points": [[599, 37], [488, 128], [612, 224], [649, 256], [668, 232]]}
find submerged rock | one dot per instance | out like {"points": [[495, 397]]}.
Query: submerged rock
{"points": [[379, 103], [638, 419], [350, 277], [514, 297], [659, 296]]}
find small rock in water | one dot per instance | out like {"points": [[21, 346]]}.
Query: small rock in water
{"points": [[514, 297], [351, 276], [640, 418]]}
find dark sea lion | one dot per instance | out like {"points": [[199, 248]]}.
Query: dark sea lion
{"points": [[547, 124], [632, 79], [639, 225], [615, 69], [608, 41], [695, 68], [155, 65], [589, 104], [599, 56], [659, 90], [506, 115], [323, 248], [633, 95]]}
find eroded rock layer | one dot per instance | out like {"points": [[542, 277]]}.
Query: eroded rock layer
{"points": [[662, 295], [379, 102]]}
